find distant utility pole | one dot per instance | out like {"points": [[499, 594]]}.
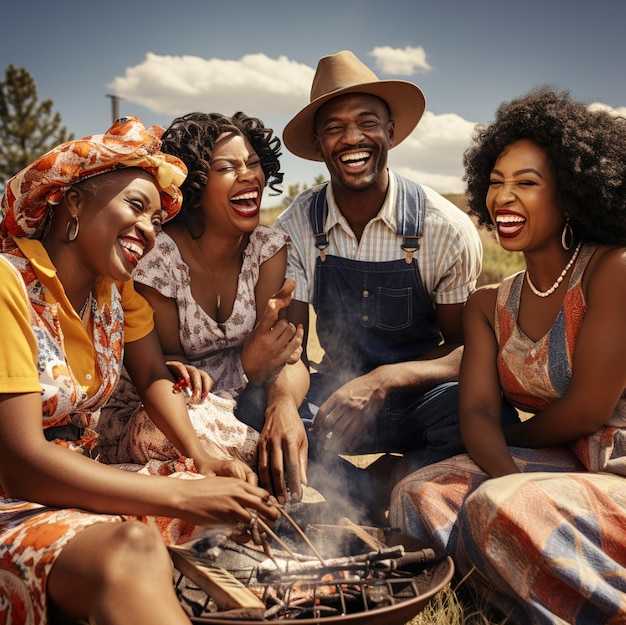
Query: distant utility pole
{"points": [[115, 106]]}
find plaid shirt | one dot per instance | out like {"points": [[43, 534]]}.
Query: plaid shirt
{"points": [[449, 257]]}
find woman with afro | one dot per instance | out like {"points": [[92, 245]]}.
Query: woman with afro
{"points": [[538, 509]]}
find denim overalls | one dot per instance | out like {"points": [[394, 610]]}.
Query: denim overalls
{"points": [[375, 313]]}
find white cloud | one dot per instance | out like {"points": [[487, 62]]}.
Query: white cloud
{"points": [[275, 89], [598, 106], [257, 84], [439, 182], [433, 153], [400, 62]]}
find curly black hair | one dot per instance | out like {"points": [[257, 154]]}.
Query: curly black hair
{"points": [[586, 150], [192, 138]]}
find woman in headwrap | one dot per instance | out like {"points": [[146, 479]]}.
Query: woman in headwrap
{"points": [[75, 224]]}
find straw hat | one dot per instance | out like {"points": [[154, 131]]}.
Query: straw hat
{"points": [[343, 73]]}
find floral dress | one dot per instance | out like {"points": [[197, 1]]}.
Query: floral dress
{"points": [[547, 545], [209, 345], [33, 535]]}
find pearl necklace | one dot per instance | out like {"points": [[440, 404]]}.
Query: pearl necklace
{"points": [[556, 285]]}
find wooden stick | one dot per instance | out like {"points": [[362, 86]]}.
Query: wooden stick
{"points": [[226, 590], [268, 530], [369, 540], [383, 560], [267, 550], [302, 534]]}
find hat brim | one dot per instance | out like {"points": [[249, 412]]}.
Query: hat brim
{"points": [[406, 103]]}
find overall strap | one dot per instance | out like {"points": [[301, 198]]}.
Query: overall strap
{"points": [[410, 212], [317, 216]]}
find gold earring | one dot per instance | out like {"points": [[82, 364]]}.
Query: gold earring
{"points": [[567, 233], [71, 230]]}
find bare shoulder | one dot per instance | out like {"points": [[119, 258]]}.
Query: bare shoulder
{"points": [[608, 263], [604, 280], [480, 307], [483, 298], [609, 257]]}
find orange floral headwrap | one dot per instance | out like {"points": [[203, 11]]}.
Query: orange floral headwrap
{"points": [[31, 193]]}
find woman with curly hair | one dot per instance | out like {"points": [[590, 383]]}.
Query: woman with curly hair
{"points": [[539, 508], [216, 281]]}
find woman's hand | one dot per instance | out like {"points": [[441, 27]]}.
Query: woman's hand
{"points": [[194, 382], [224, 502], [283, 451], [210, 466], [274, 341]]}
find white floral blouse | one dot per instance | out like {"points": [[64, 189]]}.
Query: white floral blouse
{"points": [[209, 345]]}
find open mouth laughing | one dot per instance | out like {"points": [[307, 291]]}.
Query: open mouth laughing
{"points": [[247, 202], [132, 250], [355, 160], [509, 224]]}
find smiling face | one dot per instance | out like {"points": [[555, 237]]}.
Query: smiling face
{"points": [[522, 198], [231, 200], [119, 213], [353, 134]]}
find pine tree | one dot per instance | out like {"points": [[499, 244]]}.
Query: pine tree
{"points": [[28, 128]]}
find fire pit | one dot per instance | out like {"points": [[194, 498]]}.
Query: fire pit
{"points": [[359, 578]]}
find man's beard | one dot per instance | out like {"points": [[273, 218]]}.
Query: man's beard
{"points": [[363, 181]]}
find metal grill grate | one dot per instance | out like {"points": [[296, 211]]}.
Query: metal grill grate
{"points": [[327, 599]]}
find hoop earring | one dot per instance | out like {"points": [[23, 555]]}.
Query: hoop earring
{"points": [[71, 230], [567, 233]]}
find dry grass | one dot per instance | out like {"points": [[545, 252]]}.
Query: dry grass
{"points": [[456, 606]]}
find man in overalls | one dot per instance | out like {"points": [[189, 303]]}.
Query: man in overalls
{"points": [[387, 265]]}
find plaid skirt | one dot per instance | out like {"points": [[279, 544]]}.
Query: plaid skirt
{"points": [[547, 545]]}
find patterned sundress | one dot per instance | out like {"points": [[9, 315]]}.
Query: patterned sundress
{"points": [[209, 345], [33, 535], [547, 545]]}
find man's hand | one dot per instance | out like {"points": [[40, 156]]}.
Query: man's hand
{"points": [[283, 452], [343, 419]]}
